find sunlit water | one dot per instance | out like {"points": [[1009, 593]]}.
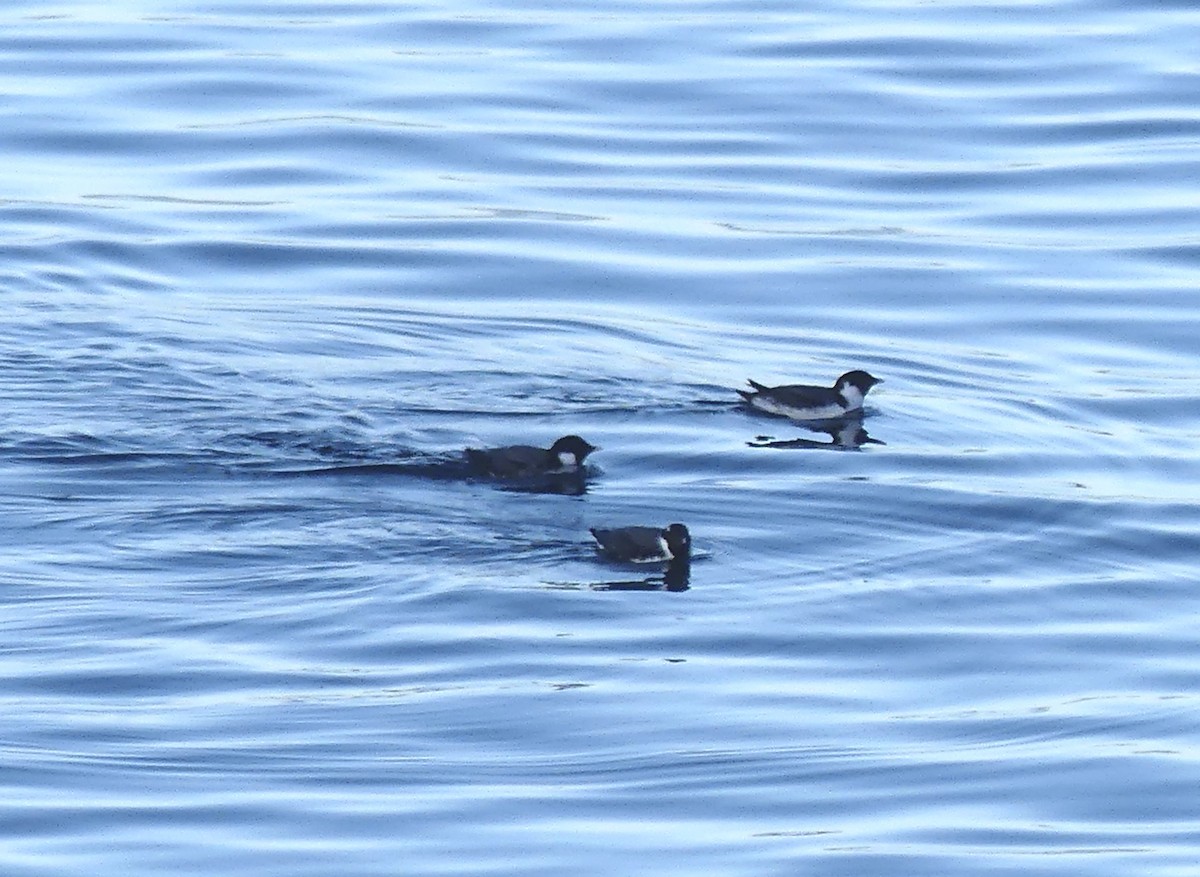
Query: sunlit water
{"points": [[268, 268]]}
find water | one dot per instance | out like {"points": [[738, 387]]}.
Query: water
{"points": [[268, 268]]}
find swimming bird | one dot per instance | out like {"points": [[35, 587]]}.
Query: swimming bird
{"points": [[802, 402], [516, 461], [645, 544]]}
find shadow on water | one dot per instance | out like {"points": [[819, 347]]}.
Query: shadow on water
{"points": [[845, 434], [675, 578], [448, 469], [561, 483], [333, 456], [287, 455]]}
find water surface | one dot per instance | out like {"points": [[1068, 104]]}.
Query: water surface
{"points": [[269, 268]]}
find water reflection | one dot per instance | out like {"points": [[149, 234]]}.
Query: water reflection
{"points": [[675, 578], [435, 467], [562, 483], [845, 434]]}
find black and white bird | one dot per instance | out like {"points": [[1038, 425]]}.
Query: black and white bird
{"points": [[645, 544], [804, 402], [518, 461]]}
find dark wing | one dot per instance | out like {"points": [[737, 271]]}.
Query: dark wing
{"points": [[804, 396], [508, 462], [629, 543], [796, 395]]}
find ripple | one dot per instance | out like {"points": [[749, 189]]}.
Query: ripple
{"points": [[270, 268]]}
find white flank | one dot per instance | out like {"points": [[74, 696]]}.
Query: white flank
{"points": [[773, 406]]}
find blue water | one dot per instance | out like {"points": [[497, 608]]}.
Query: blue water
{"points": [[267, 268]]}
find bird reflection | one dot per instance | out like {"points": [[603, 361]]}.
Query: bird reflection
{"points": [[674, 578], [845, 433], [562, 483]]}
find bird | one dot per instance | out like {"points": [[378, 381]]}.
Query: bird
{"points": [[645, 544], [803, 402], [516, 461]]}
